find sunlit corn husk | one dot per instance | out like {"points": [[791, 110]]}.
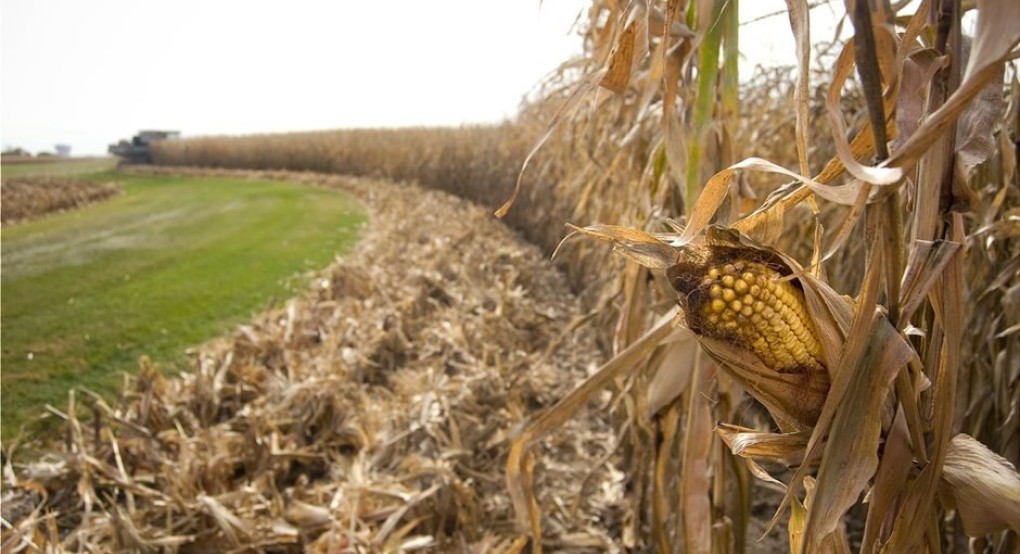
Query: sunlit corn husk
{"points": [[984, 487]]}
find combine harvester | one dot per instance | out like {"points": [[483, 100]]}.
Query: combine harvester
{"points": [[137, 150]]}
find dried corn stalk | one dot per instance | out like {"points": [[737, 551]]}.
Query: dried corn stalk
{"points": [[26, 198], [873, 410]]}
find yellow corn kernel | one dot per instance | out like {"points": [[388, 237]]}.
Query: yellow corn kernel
{"points": [[748, 303]]}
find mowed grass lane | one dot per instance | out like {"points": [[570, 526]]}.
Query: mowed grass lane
{"points": [[167, 265]]}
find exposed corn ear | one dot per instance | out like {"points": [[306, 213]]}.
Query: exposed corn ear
{"points": [[739, 295], [782, 358]]}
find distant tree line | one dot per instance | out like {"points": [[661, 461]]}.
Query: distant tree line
{"points": [[18, 152]]}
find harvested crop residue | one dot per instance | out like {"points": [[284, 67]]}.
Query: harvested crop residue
{"points": [[372, 414], [23, 198]]}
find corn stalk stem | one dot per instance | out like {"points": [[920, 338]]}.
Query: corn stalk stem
{"points": [[870, 75], [704, 104]]}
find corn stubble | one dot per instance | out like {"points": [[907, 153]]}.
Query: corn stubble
{"points": [[25, 198]]}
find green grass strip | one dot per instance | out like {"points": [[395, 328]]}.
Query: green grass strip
{"points": [[169, 264]]}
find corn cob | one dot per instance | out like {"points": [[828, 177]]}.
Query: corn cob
{"points": [[738, 294]]}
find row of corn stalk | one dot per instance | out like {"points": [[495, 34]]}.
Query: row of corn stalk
{"points": [[477, 162], [885, 356]]}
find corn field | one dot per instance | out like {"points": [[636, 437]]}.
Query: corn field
{"points": [[803, 284]]}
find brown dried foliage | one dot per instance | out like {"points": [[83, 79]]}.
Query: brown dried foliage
{"points": [[26, 198]]}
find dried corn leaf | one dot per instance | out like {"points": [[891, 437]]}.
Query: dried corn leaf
{"points": [[918, 69], [786, 448], [975, 139], [983, 486], [998, 31], [801, 26], [926, 264], [850, 457], [520, 465], [630, 46], [672, 375], [562, 114], [717, 189], [794, 400], [648, 250], [876, 175]]}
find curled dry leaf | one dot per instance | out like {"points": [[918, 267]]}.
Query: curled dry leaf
{"points": [[799, 23], [878, 175], [787, 448], [631, 46], [307, 516], [975, 137], [998, 31], [984, 487]]}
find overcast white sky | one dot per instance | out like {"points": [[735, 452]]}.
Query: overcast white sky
{"points": [[89, 72]]}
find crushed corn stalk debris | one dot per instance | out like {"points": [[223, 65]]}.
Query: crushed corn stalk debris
{"points": [[373, 414]]}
